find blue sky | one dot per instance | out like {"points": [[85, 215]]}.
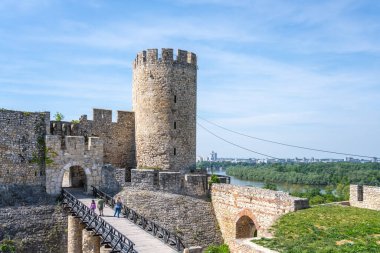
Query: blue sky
{"points": [[300, 72]]}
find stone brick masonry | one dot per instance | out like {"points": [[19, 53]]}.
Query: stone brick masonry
{"points": [[90, 159], [192, 219], [22, 147], [261, 206], [365, 196], [32, 219], [164, 102], [118, 137], [195, 185]]}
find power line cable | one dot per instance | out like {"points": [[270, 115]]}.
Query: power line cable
{"points": [[284, 144], [236, 145]]}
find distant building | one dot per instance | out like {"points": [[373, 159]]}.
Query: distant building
{"points": [[199, 159], [213, 156]]}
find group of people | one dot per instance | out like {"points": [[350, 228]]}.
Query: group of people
{"points": [[101, 203]]}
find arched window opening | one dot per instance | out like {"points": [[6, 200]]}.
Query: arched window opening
{"points": [[245, 228]]}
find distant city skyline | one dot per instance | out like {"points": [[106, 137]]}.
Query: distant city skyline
{"points": [[213, 157], [302, 73]]}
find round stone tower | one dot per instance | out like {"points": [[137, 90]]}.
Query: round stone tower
{"points": [[164, 101]]}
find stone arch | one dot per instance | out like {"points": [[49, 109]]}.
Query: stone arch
{"points": [[246, 225], [74, 177], [87, 173]]}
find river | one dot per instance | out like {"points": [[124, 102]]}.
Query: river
{"points": [[280, 186]]}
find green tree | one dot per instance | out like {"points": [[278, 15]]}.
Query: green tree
{"points": [[58, 116], [343, 191]]}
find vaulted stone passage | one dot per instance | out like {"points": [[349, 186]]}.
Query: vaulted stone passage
{"points": [[74, 177], [245, 228]]}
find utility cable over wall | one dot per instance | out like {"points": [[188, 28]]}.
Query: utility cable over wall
{"points": [[276, 142], [236, 145]]}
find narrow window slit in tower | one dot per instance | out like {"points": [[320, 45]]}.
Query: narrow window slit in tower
{"points": [[175, 124], [175, 151], [175, 99]]}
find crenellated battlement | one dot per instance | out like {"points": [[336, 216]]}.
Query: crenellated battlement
{"points": [[151, 56], [101, 117], [73, 145]]}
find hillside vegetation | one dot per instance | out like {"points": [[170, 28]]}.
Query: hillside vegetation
{"points": [[326, 229]]}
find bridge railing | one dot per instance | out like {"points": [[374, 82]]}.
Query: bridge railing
{"points": [[110, 235], [151, 227]]}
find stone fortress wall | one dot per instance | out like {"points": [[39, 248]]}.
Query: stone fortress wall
{"points": [[164, 102], [195, 185], [32, 219], [364, 196], [238, 208], [192, 219], [22, 147], [118, 137], [164, 132]]}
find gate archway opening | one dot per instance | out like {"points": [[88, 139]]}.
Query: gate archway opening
{"points": [[74, 177], [245, 228]]}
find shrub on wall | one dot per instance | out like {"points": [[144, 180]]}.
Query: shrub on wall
{"points": [[214, 179], [58, 116], [7, 246]]}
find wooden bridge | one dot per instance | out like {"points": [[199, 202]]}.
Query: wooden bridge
{"points": [[131, 233]]}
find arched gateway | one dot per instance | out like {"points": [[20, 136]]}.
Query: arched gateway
{"points": [[75, 165], [245, 228], [246, 212], [74, 177]]}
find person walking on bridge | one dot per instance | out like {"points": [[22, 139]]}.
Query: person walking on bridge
{"points": [[101, 206], [117, 207], [93, 206]]}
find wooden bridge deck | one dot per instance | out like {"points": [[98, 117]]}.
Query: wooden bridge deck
{"points": [[144, 242]]}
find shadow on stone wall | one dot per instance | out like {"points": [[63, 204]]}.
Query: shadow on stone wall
{"points": [[191, 218], [32, 219]]}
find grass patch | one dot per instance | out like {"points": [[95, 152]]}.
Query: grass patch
{"points": [[217, 249], [326, 229]]}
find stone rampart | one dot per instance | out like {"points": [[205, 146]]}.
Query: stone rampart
{"points": [[113, 179], [22, 147], [239, 209], [195, 185], [164, 102], [118, 137], [365, 196], [191, 218]]}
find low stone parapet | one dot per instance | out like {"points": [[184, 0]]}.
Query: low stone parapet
{"points": [[365, 196]]}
